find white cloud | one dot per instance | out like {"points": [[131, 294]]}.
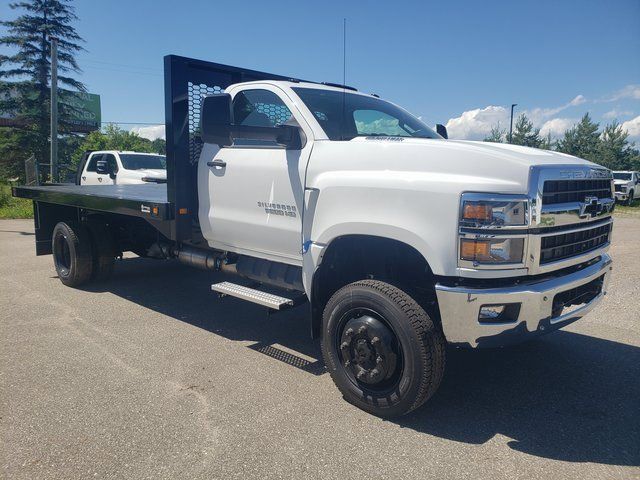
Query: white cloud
{"points": [[630, 91], [616, 114], [633, 128], [476, 124], [151, 131], [557, 126]]}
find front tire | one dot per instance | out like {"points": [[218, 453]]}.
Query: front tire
{"points": [[72, 253], [630, 199], [383, 351]]}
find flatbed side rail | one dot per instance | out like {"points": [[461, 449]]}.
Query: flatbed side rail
{"points": [[133, 206]]}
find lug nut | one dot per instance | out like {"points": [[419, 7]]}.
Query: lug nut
{"points": [[379, 360], [360, 374], [344, 346], [374, 373], [375, 340], [347, 363], [349, 332], [362, 329]]}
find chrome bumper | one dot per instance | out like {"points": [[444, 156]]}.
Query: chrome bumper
{"points": [[621, 196], [460, 308]]}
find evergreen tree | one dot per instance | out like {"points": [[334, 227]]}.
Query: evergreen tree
{"points": [[29, 68], [497, 135], [525, 134], [583, 140], [614, 151]]}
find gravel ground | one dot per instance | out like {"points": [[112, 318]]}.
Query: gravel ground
{"points": [[152, 376]]}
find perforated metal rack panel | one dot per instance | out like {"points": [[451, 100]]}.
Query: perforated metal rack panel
{"points": [[187, 81], [196, 94]]}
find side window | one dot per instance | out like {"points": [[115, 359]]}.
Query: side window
{"points": [[91, 166], [259, 108], [111, 161]]}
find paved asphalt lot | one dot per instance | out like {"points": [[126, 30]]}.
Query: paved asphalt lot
{"points": [[152, 376]]}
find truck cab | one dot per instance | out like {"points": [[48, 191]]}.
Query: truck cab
{"points": [[112, 167], [627, 186]]}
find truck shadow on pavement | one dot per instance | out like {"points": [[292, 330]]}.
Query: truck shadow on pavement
{"points": [[566, 396]]}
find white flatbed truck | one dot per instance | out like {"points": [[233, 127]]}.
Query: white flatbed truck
{"points": [[400, 240]]}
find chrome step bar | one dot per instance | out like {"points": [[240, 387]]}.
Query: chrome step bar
{"points": [[265, 299]]}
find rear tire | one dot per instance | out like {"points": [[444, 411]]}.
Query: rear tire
{"points": [[383, 351], [71, 247], [104, 251]]}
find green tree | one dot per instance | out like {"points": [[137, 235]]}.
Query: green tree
{"points": [[583, 140], [525, 134], [29, 68], [497, 135], [614, 150]]}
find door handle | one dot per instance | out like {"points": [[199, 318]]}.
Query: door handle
{"points": [[99, 179], [217, 164], [84, 178]]}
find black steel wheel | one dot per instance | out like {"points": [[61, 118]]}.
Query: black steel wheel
{"points": [[71, 246], [382, 349]]}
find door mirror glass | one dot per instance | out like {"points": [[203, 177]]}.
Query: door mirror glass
{"points": [[215, 119], [442, 131], [102, 167]]}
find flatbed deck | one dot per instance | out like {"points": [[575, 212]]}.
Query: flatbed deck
{"points": [[146, 201]]}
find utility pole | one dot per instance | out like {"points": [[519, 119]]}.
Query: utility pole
{"points": [[54, 110], [513, 105]]}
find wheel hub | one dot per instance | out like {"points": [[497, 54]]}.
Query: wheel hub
{"points": [[367, 348]]}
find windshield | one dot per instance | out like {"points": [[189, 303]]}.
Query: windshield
{"points": [[143, 162], [344, 116], [621, 176]]}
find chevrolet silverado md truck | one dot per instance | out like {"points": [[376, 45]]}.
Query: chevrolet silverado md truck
{"points": [[400, 240]]}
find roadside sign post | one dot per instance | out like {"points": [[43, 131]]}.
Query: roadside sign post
{"points": [[54, 110]]}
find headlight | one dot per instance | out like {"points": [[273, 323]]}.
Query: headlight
{"points": [[479, 213], [491, 251], [491, 230]]}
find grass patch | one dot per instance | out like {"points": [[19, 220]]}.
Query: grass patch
{"points": [[628, 211], [11, 207]]}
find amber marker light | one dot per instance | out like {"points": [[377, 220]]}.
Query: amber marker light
{"points": [[474, 250], [477, 211]]}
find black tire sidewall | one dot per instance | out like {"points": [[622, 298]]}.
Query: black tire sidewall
{"points": [[360, 296], [78, 242]]}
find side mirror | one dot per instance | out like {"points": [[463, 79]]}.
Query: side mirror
{"points": [[442, 131], [102, 167], [215, 119]]}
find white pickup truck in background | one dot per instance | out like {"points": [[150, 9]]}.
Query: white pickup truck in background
{"points": [[401, 241], [112, 167], [627, 186]]}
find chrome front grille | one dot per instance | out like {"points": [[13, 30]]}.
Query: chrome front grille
{"points": [[566, 245], [567, 191]]}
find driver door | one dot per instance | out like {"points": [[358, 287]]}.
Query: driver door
{"points": [[251, 193]]}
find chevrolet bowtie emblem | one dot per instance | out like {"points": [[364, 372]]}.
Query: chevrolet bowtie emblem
{"points": [[591, 206]]}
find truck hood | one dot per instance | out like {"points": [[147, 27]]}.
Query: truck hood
{"points": [[463, 165], [621, 182]]}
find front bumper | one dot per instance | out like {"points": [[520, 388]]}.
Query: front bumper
{"points": [[621, 196], [460, 307]]}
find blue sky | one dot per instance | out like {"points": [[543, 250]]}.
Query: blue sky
{"points": [[459, 63]]}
